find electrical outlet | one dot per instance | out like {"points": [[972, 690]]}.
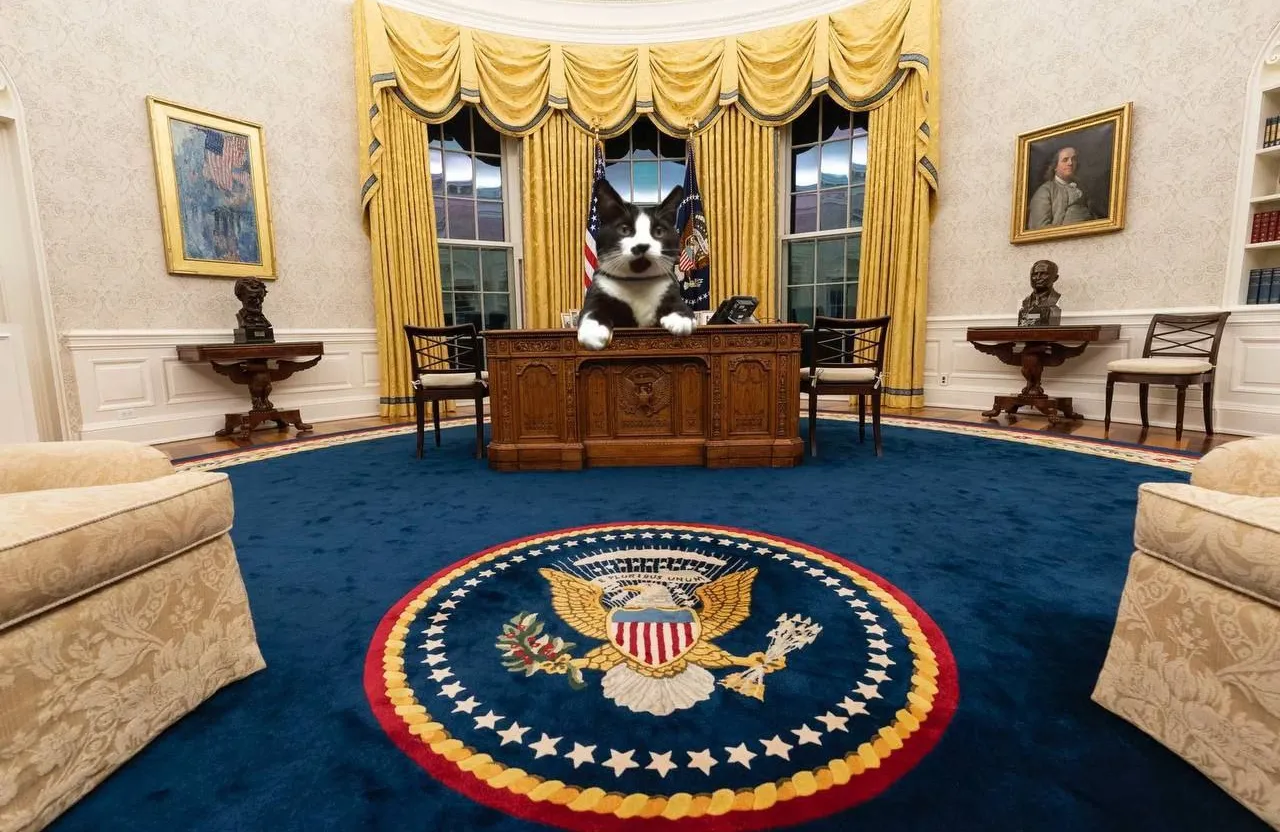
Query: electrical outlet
{"points": [[126, 413], [942, 380]]}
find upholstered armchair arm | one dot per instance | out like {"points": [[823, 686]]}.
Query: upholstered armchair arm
{"points": [[1232, 539], [36, 466], [1246, 466]]}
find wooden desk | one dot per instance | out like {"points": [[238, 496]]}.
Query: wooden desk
{"points": [[725, 396], [256, 365], [1033, 348]]}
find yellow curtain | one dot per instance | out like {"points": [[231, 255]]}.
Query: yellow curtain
{"points": [[556, 178], [895, 244], [736, 161], [406, 268]]}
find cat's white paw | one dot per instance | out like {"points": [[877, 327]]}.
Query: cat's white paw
{"points": [[594, 335], [677, 324]]}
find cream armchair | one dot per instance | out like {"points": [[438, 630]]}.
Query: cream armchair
{"points": [[121, 609], [1195, 657]]}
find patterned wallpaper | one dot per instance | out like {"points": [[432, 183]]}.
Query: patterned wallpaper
{"points": [[83, 71], [1009, 66]]}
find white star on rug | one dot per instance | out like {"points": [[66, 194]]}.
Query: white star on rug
{"points": [[647, 535], [620, 761], [535, 552], [434, 659], [488, 573], [553, 547], [664, 536], [582, 754], [799, 564], [440, 674], [489, 720], [807, 735], [724, 541], [868, 691], [503, 565], [468, 705], [451, 690], [704, 539], [471, 582], [876, 629], [867, 615], [513, 733], [686, 537], [609, 537], [459, 593], [518, 559], [776, 747], [833, 722], [628, 536], [660, 763], [741, 754], [880, 659], [815, 571], [852, 707], [434, 630], [831, 581], [781, 556], [569, 544], [589, 539], [843, 591], [701, 760], [450, 604], [762, 550], [440, 617], [545, 746], [859, 604], [744, 545], [432, 644], [878, 644], [877, 675]]}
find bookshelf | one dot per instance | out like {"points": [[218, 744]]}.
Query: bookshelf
{"points": [[1255, 250]]}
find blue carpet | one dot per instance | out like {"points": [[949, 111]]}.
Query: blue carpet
{"points": [[1018, 554]]}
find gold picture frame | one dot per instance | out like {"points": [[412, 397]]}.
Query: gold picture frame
{"points": [[1070, 179], [211, 179]]}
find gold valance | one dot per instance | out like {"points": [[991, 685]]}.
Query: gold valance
{"points": [[860, 55]]}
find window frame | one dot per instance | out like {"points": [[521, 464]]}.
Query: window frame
{"points": [[631, 162]]}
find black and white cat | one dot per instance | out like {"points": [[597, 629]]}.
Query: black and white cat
{"points": [[634, 284]]}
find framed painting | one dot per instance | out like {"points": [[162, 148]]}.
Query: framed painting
{"points": [[1070, 179], [211, 176]]}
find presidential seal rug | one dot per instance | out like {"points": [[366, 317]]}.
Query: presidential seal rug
{"points": [[902, 642], [709, 677]]}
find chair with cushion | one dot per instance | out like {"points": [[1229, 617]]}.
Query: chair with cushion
{"points": [[122, 608], [447, 365], [1194, 659], [846, 357], [1180, 350]]}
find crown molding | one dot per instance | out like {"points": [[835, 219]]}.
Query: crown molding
{"points": [[614, 22]]}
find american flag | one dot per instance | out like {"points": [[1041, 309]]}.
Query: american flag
{"points": [[223, 153], [590, 261], [695, 253]]}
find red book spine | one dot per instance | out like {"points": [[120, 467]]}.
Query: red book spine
{"points": [[1255, 229]]}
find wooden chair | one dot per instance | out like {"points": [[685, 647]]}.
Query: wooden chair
{"points": [[846, 357], [446, 363], [1180, 350]]}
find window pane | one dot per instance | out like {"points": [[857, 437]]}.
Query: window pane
{"points": [[497, 311], [466, 309], [672, 175], [446, 270], [436, 162], [851, 300], [617, 148], [440, 215], [835, 164], [804, 213], [857, 196], [619, 176], [644, 139], [804, 169], [462, 219], [488, 177], [457, 174], [670, 147], [489, 218], [433, 136], [493, 266], [645, 179], [853, 255], [830, 261], [488, 140], [457, 131], [466, 270], [858, 178], [804, 130], [800, 305], [834, 212], [800, 262], [835, 120], [830, 300]]}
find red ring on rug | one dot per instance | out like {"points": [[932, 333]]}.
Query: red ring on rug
{"points": [[860, 788]]}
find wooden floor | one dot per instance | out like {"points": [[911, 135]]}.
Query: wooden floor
{"points": [[1154, 437]]}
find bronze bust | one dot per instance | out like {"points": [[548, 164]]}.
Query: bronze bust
{"points": [[254, 327], [1040, 308]]}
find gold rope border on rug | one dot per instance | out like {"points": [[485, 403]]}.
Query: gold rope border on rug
{"points": [[1153, 457], [837, 772]]}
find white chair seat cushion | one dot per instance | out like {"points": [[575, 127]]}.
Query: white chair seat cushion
{"points": [[1160, 366], [842, 373], [437, 381]]}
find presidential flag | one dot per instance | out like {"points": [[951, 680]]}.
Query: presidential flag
{"points": [[590, 261], [695, 254]]}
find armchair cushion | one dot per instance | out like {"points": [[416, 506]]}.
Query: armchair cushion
{"points": [[34, 466], [436, 381], [1160, 366], [838, 374], [56, 545], [1230, 539], [1246, 466]]}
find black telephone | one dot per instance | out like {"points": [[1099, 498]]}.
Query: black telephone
{"points": [[735, 310]]}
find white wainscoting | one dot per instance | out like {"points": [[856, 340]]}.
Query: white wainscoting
{"points": [[1246, 395], [132, 385], [17, 407]]}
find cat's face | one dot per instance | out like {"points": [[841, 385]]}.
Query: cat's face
{"points": [[634, 242]]}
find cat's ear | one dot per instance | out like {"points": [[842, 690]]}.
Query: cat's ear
{"points": [[671, 204], [609, 203]]}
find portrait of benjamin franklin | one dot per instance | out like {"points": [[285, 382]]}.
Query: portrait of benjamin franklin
{"points": [[1068, 177]]}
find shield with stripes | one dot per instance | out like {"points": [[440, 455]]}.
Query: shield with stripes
{"points": [[655, 636]]}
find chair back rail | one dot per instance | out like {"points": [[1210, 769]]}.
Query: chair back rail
{"points": [[848, 342], [446, 349], [1190, 336]]}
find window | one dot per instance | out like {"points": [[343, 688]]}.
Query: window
{"points": [[644, 164], [826, 174], [472, 177]]}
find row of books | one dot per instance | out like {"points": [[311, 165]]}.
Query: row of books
{"points": [[1271, 132], [1265, 227], [1264, 286]]}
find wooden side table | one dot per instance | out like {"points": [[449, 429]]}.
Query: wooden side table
{"points": [[257, 365], [1033, 348]]}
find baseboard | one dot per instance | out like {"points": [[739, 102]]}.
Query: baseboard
{"points": [[133, 387]]}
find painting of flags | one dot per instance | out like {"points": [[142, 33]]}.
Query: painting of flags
{"points": [[590, 261], [695, 253]]}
